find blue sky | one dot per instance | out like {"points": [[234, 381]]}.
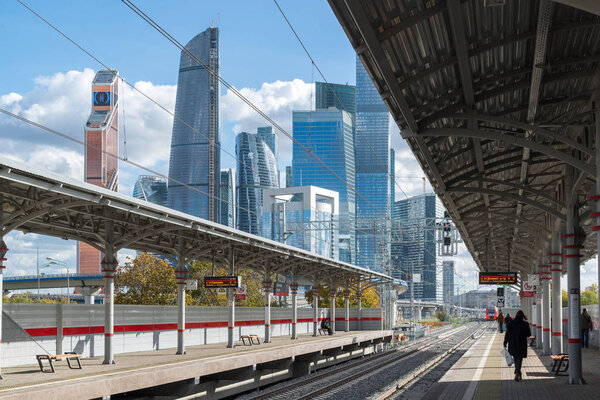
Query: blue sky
{"points": [[46, 78]]}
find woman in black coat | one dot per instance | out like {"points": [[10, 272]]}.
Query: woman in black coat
{"points": [[516, 336]]}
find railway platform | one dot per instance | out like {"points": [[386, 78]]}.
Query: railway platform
{"points": [[211, 370], [482, 374]]}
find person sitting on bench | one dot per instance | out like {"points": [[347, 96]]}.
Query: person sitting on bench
{"points": [[326, 324]]}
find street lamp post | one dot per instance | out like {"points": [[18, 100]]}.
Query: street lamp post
{"points": [[38, 277], [54, 261]]}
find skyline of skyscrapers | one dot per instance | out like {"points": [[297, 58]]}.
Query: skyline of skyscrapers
{"points": [[328, 134], [195, 145], [256, 170], [331, 94], [101, 168], [448, 284], [372, 149], [413, 250]]}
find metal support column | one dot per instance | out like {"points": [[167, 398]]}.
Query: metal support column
{"points": [[596, 197], [109, 268], [545, 281], [333, 293], [231, 302], [315, 291], [359, 305], [181, 275], [538, 316], [3, 251], [294, 289], [347, 310], [267, 286], [574, 238], [556, 266]]}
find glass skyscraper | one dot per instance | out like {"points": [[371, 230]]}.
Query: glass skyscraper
{"points": [[228, 198], [151, 188], [196, 156], [448, 267], [256, 170], [372, 148], [330, 95], [328, 135], [414, 247]]}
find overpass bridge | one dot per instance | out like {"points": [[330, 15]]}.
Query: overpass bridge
{"points": [[38, 201], [499, 103]]}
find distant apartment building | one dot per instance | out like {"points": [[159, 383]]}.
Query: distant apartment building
{"points": [[151, 188], [101, 149], [228, 197], [304, 217], [195, 162], [256, 171], [328, 134]]}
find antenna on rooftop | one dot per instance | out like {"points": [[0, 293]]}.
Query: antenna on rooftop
{"points": [[215, 21]]}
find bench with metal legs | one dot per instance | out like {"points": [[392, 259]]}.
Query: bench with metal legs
{"points": [[68, 355]]}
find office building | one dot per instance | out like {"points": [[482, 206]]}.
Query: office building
{"points": [[256, 170], [151, 188], [195, 145], [414, 246], [101, 150], [288, 176], [228, 197], [342, 97], [448, 285], [372, 148], [392, 181], [328, 135], [303, 216]]}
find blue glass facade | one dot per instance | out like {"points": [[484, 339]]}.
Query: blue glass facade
{"points": [[151, 188], [448, 267], [414, 247], [372, 166], [228, 198], [330, 95], [256, 170], [329, 135], [195, 156]]}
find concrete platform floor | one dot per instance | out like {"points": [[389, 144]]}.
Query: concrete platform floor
{"points": [[482, 374], [133, 371]]}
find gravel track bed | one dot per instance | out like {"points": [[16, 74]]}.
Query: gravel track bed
{"points": [[385, 378], [366, 387], [340, 367]]}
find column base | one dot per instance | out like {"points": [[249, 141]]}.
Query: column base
{"points": [[579, 381], [179, 353], [108, 362]]}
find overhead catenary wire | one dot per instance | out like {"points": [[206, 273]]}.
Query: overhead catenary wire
{"points": [[55, 28], [335, 93], [174, 41]]}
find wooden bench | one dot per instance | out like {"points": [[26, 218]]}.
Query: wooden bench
{"points": [[249, 340], [558, 361], [531, 341], [69, 356], [323, 331]]}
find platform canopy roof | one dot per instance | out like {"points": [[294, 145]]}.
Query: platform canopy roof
{"points": [[35, 200], [496, 100]]}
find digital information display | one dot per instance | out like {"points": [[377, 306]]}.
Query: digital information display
{"points": [[497, 278], [222, 281], [102, 98]]}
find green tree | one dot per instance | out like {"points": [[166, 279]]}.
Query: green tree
{"points": [[370, 299], [565, 298], [145, 280], [590, 295]]}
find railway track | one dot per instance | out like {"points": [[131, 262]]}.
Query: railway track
{"points": [[324, 384]]}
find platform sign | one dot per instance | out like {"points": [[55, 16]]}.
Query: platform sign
{"points": [[192, 284], [534, 279], [528, 289], [240, 293], [222, 281], [497, 278], [221, 294], [281, 289]]}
